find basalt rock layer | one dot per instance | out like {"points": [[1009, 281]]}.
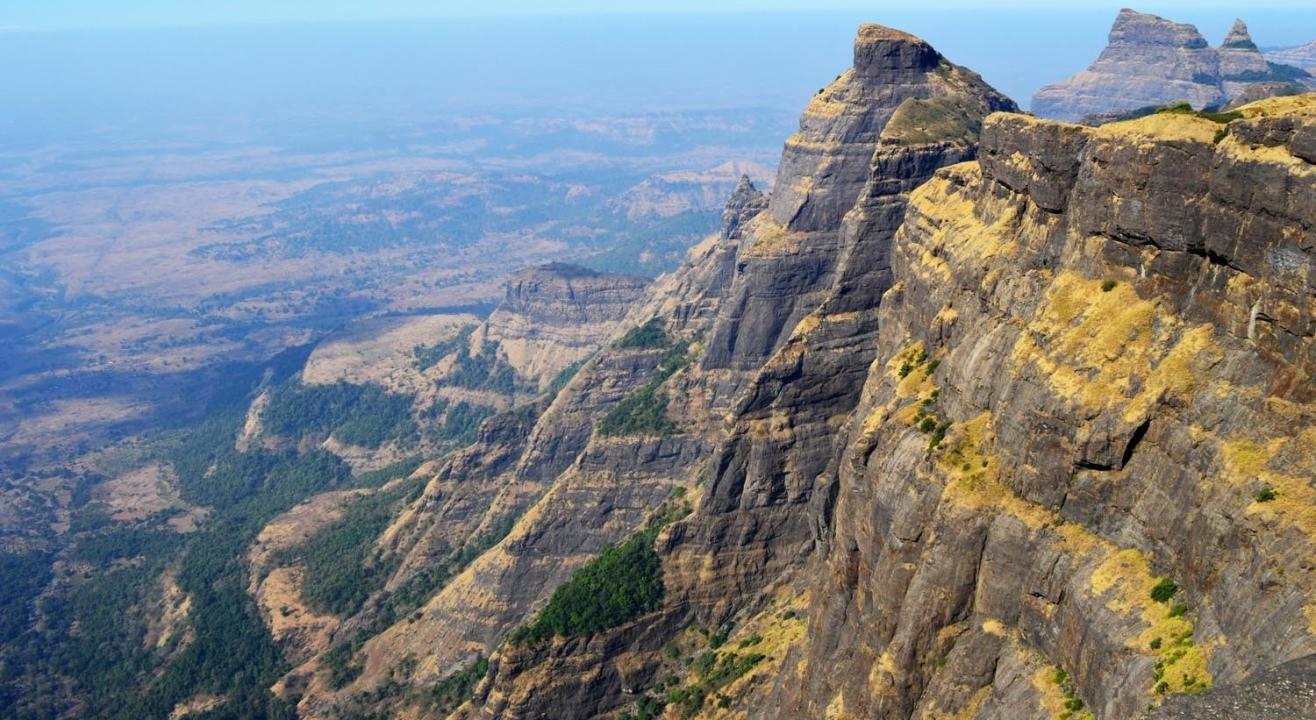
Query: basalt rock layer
{"points": [[978, 416], [1150, 61], [556, 314], [1113, 349], [789, 339], [1077, 476]]}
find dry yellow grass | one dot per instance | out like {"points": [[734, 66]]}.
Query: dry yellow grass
{"points": [[1163, 126], [1250, 465], [1096, 340], [1126, 581]]}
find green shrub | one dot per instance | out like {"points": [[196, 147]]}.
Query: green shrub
{"points": [[427, 356], [622, 583], [1164, 590], [1108, 285], [928, 425], [689, 700], [1265, 494], [457, 688], [1217, 117], [645, 411], [1178, 610], [648, 708], [364, 415], [646, 336], [938, 435]]}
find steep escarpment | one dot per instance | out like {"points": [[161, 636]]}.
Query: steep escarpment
{"points": [[1062, 488], [503, 522], [1150, 61], [788, 342], [899, 85], [1010, 420], [555, 315]]}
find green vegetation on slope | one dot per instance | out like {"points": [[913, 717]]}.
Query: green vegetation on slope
{"points": [[648, 335], [425, 357], [644, 412], [562, 378], [622, 583], [461, 421], [393, 607], [457, 688], [226, 650], [342, 569], [362, 415]]}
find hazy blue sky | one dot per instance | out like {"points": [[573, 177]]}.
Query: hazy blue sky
{"points": [[102, 70], [66, 14]]}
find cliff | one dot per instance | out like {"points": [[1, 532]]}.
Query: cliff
{"points": [[790, 334], [1086, 320], [1150, 61], [977, 416], [554, 315], [1069, 484]]}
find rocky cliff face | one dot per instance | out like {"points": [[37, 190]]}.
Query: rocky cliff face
{"points": [[1151, 61], [790, 339], [1069, 484], [1010, 420], [554, 315], [1071, 401]]}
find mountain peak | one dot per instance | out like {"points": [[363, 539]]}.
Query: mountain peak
{"points": [[879, 50], [1133, 28], [1239, 38], [1151, 61]]}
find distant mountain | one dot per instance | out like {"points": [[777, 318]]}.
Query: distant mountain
{"points": [[1151, 61], [1303, 56]]}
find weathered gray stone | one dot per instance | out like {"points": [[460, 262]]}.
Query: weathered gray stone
{"points": [[1151, 61]]}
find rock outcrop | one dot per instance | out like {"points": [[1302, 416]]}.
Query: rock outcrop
{"points": [[1072, 401], [1151, 61], [1062, 487], [977, 416], [555, 315]]}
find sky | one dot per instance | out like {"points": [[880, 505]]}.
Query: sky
{"points": [[97, 72], [17, 15]]}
